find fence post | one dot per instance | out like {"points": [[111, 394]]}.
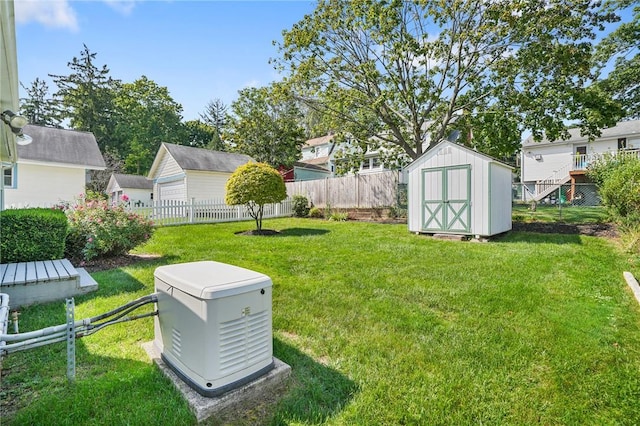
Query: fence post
{"points": [[191, 207], [560, 201], [357, 190]]}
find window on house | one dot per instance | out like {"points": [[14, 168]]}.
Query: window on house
{"points": [[622, 143], [8, 177], [366, 165], [375, 163]]}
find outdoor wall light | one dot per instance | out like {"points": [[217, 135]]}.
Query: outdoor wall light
{"points": [[16, 123]]}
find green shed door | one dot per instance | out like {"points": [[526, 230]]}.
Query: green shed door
{"points": [[446, 199]]}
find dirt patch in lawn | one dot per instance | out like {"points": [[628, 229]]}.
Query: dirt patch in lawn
{"points": [[113, 262]]}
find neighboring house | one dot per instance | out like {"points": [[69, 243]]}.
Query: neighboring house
{"points": [[547, 164], [138, 190], [320, 152], [51, 169], [184, 173]]}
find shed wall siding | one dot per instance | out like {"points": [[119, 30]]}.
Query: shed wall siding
{"points": [[500, 199], [44, 186]]}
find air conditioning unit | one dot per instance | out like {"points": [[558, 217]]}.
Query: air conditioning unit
{"points": [[213, 326]]}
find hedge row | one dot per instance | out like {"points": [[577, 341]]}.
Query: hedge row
{"points": [[32, 234]]}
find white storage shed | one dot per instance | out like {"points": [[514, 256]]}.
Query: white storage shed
{"points": [[456, 190]]}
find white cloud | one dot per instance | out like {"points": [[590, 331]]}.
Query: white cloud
{"points": [[123, 7], [50, 13], [252, 83]]}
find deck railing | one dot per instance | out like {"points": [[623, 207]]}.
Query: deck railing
{"points": [[582, 161], [176, 212]]}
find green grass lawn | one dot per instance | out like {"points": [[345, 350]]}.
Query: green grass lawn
{"points": [[564, 213], [380, 326]]}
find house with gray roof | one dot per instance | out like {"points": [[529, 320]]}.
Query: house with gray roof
{"points": [[52, 169], [184, 173], [547, 164], [135, 190]]}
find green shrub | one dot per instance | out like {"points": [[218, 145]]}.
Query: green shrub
{"points": [[32, 234], [618, 179], [254, 185], [97, 229], [316, 213], [300, 206], [338, 216], [397, 212]]}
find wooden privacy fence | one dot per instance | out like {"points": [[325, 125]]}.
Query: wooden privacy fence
{"points": [[176, 212], [357, 191]]}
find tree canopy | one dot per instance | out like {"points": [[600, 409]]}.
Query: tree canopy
{"points": [[146, 116], [38, 107], [265, 124], [87, 97], [622, 46], [402, 74]]}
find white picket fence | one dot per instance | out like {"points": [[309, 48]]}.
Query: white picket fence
{"points": [[175, 212]]}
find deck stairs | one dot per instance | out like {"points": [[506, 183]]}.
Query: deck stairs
{"points": [[556, 180]]}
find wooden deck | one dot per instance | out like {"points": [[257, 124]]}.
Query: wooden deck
{"points": [[33, 272], [43, 281]]}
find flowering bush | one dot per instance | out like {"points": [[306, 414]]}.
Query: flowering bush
{"points": [[97, 229]]}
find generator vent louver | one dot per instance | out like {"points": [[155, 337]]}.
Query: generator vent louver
{"points": [[176, 345], [243, 340], [214, 324]]}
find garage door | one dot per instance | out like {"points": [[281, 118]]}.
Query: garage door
{"points": [[172, 191]]}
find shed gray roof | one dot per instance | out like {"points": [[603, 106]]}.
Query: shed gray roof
{"points": [[621, 129], [133, 181], [53, 145], [190, 158]]}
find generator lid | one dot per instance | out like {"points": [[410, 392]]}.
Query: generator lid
{"points": [[211, 280]]}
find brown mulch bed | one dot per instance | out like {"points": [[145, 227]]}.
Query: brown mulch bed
{"points": [[605, 230]]}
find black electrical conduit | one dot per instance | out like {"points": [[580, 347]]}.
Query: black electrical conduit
{"points": [[83, 327]]}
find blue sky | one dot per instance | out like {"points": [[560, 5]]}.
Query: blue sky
{"points": [[199, 50]]}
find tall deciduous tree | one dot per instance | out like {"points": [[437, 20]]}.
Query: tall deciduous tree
{"points": [[147, 116], [87, 98], [264, 124], [38, 107], [392, 72], [622, 46]]}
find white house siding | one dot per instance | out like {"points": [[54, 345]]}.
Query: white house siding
{"points": [[206, 185], [137, 195], [552, 158], [49, 185], [559, 156], [169, 167]]}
